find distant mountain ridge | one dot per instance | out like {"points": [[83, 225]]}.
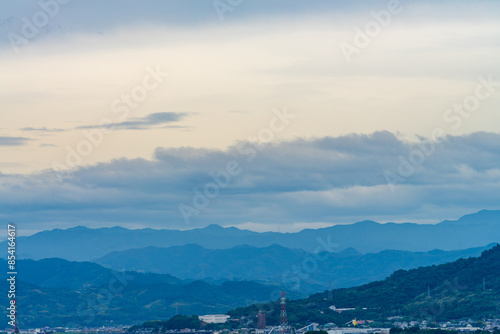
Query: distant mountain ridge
{"points": [[83, 244], [275, 264]]}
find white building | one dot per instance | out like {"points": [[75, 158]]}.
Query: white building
{"points": [[214, 318], [340, 310]]}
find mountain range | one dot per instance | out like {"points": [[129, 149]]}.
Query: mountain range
{"points": [[84, 244], [294, 269], [56, 292]]}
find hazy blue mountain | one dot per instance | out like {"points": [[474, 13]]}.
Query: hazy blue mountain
{"points": [[61, 273], [197, 262], [277, 264], [81, 243]]}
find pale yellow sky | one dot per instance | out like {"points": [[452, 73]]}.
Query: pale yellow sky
{"points": [[230, 80]]}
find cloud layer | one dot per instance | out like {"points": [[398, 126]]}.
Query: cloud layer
{"points": [[326, 180]]}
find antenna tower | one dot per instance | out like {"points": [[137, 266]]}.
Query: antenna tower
{"points": [[283, 316]]}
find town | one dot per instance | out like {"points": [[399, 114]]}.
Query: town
{"points": [[355, 327]]}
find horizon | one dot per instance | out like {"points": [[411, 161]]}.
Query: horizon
{"points": [[240, 227]]}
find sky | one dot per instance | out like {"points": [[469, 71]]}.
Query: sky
{"points": [[264, 115]]}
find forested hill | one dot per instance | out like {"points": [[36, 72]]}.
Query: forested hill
{"points": [[59, 293], [448, 291]]}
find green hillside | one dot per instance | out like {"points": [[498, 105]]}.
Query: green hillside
{"points": [[56, 292], [444, 292]]}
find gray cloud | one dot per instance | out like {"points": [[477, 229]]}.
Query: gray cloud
{"points": [[144, 123], [335, 179], [13, 141], [41, 129], [79, 15], [156, 120], [98, 17]]}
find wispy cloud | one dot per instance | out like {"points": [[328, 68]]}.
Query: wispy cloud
{"points": [[156, 120], [13, 141], [41, 129]]}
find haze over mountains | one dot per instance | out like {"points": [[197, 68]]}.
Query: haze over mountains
{"points": [[305, 262], [215, 269], [84, 244], [277, 264], [56, 292]]}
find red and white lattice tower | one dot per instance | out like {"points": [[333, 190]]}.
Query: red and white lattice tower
{"points": [[283, 316]]}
